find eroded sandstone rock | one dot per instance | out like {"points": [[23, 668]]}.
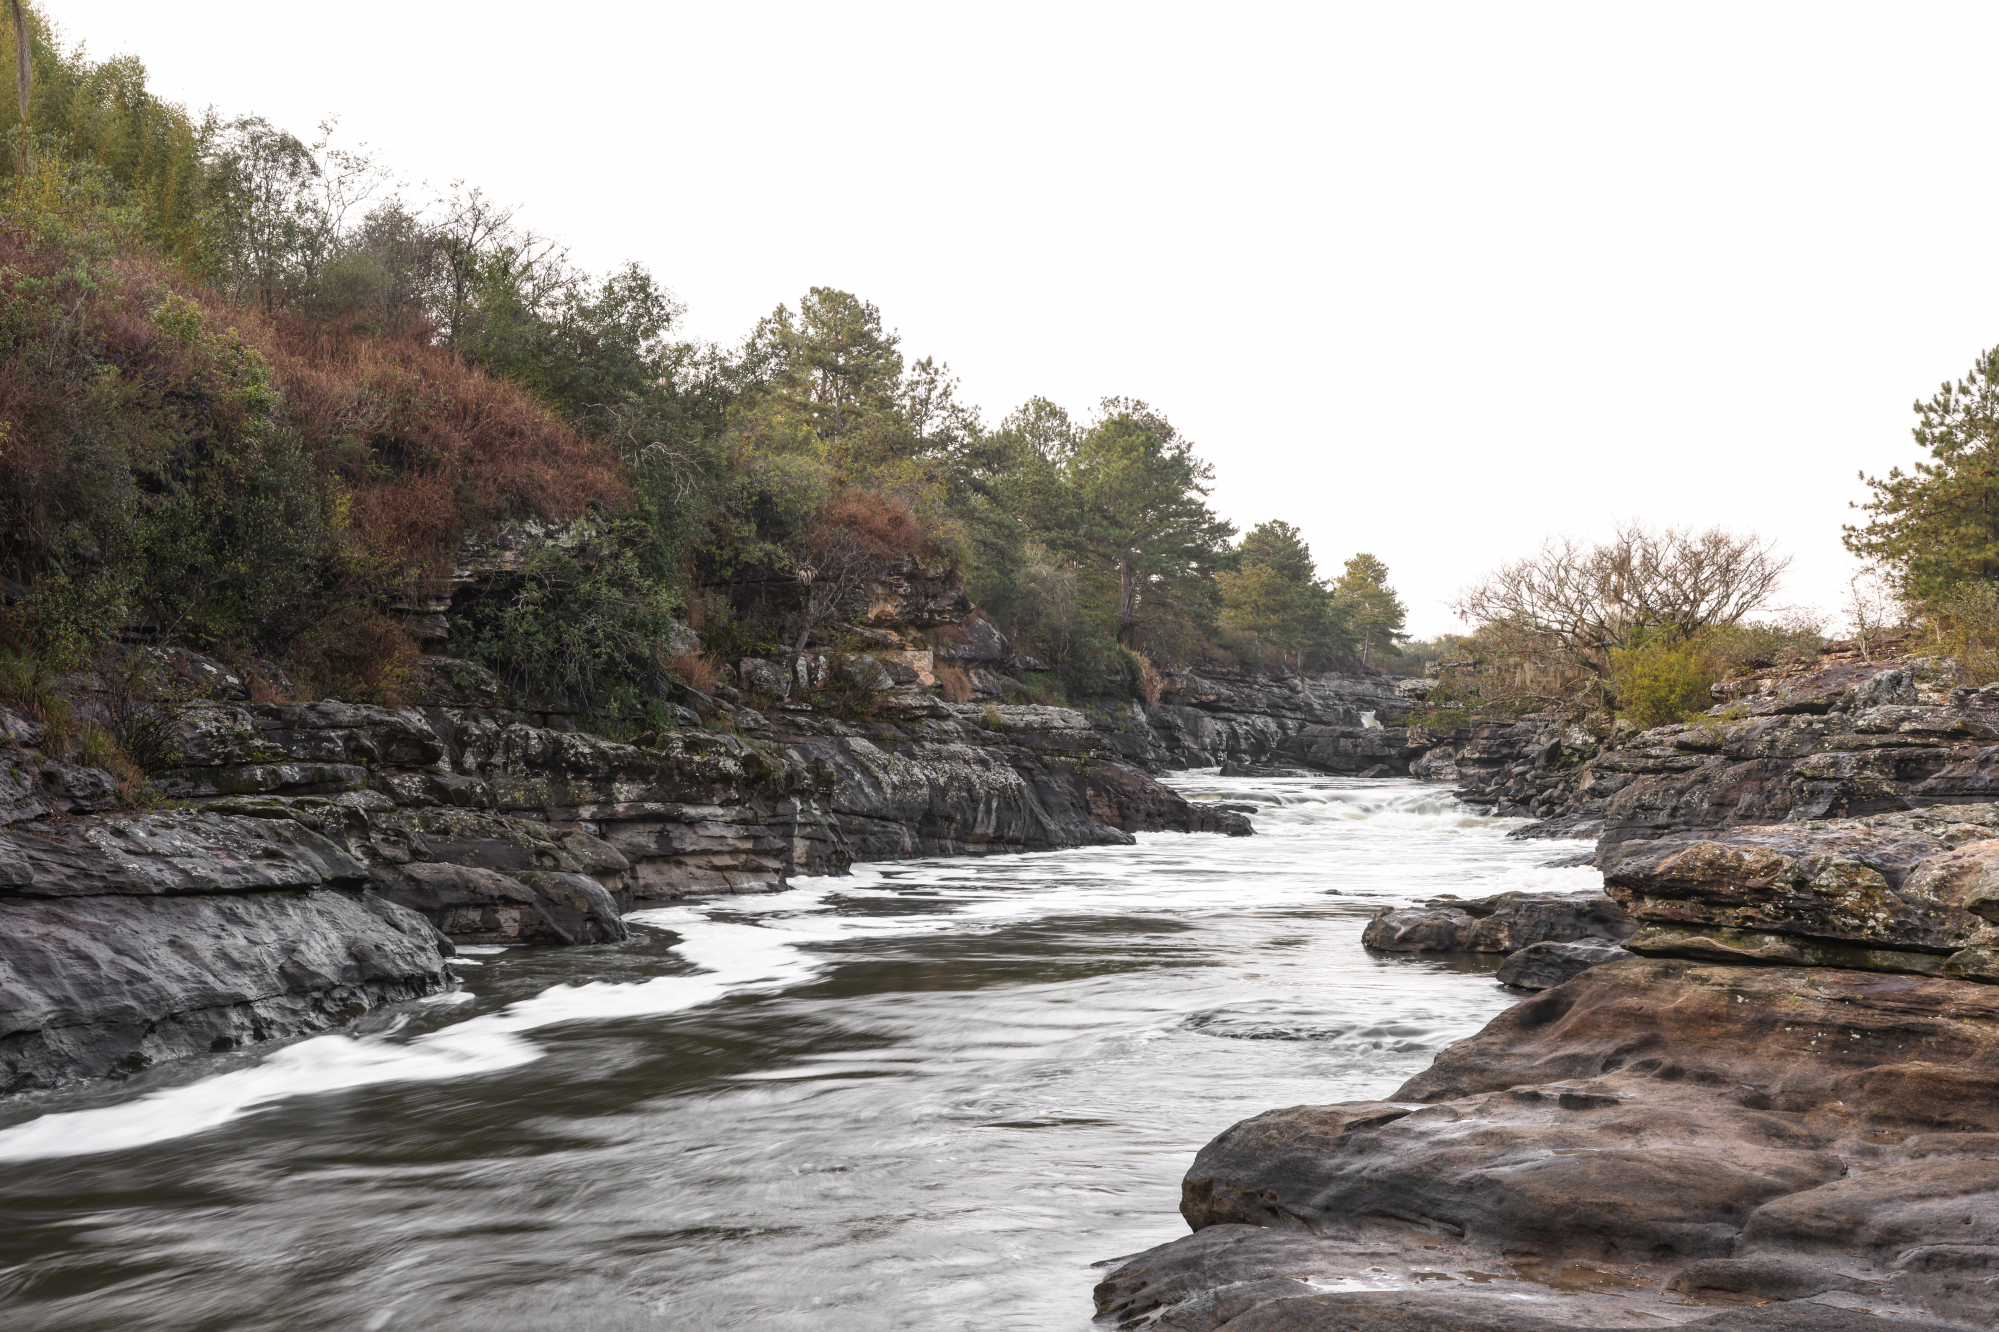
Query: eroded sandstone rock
{"points": [[1648, 1135], [1913, 891]]}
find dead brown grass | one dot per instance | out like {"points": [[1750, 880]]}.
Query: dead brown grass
{"points": [[953, 685], [697, 673], [425, 448]]}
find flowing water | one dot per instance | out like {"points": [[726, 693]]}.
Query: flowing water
{"points": [[928, 1095]]}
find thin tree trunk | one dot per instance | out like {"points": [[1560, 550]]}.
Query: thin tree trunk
{"points": [[24, 79], [1127, 603]]}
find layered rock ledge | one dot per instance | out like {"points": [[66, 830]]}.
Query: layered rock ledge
{"points": [[1651, 1140], [321, 859]]}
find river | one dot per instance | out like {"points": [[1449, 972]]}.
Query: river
{"points": [[928, 1095]]}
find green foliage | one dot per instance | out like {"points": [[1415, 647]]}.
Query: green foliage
{"points": [[95, 120], [1660, 682], [1752, 645], [1373, 613], [1936, 528], [1275, 599], [588, 617]]}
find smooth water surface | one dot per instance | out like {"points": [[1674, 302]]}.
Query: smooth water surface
{"points": [[929, 1095]]}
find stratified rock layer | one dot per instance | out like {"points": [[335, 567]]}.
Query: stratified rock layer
{"points": [[1669, 1132]]}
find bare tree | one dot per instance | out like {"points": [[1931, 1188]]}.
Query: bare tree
{"points": [[835, 569], [1578, 603]]}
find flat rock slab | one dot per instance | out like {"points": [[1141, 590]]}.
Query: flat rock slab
{"points": [[1651, 1140]]}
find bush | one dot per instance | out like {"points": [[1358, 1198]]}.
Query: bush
{"points": [[357, 654], [1738, 649], [588, 617], [1661, 682]]}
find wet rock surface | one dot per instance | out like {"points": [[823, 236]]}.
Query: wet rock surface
{"points": [[1650, 1140], [1543, 966], [1503, 923], [106, 986]]}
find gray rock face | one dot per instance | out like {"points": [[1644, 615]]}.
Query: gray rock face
{"points": [[1649, 1134], [1543, 966], [490, 828], [1915, 891], [1503, 923], [1262, 722], [104, 986], [1843, 739]]}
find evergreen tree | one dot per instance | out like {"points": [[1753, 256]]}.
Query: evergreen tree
{"points": [[1936, 528], [1374, 612], [1139, 495]]}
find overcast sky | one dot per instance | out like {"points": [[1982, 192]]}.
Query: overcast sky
{"points": [[1429, 281]]}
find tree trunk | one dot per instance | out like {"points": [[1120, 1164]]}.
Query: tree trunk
{"points": [[1127, 597], [24, 80]]}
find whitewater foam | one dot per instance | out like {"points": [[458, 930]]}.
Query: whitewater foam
{"points": [[767, 942]]}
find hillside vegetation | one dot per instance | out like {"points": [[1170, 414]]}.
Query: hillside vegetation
{"points": [[254, 396]]}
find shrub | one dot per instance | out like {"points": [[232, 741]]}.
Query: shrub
{"points": [[356, 654], [1660, 682], [1753, 645]]}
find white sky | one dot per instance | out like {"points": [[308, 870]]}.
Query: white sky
{"points": [[1428, 280]]}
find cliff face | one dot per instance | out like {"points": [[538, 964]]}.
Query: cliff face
{"points": [[1327, 723]]}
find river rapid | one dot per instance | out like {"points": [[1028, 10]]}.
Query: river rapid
{"points": [[927, 1095]]}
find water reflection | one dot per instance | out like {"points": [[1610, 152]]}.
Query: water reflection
{"points": [[926, 1096]]}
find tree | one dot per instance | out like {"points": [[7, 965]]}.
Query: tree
{"points": [[1937, 528], [1274, 595], [1261, 602], [1282, 548], [1373, 612], [1561, 614], [1140, 496]]}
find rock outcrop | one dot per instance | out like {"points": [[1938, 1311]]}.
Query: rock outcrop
{"points": [[1915, 891], [1328, 722], [127, 942], [325, 855], [1502, 923], [1842, 738], [1649, 1138]]}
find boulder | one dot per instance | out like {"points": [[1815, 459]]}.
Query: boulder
{"points": [[1502, 923], [1544, 965], [473, 905], [105, 986]]}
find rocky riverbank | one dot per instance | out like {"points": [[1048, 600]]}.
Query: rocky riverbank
{"points": [[314, 861], [1759, 1088]]}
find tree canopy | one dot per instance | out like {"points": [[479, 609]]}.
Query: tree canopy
{"points": [[1935, 528]]}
